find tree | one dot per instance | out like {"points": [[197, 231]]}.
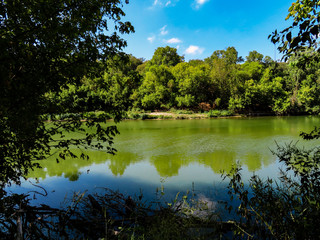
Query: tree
{"points": [[110, 91], [304, 31], [253, 69], [44, 46], [224, 66], [254, 56], [194, 84], [167, 56], [229, 56]]}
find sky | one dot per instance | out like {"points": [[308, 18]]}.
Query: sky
{"points": [[197, 28]]}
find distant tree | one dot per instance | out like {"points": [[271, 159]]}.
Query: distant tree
{"points": [[135, 62], [253, 69], [194, 84], [195, 62], [229, 56], [267, 60], [157, 89], [254, 56], [167, 56]]}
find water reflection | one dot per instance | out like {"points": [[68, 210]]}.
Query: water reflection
{"points": [[175, 156], [169, 146], [119, 162], [166, 165]]}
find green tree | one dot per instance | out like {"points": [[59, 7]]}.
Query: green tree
{"points": [[44, 46], [167, 56], [229, 56], [303, 32], [306, 83], [194, 84], [157, 89], [223, 73], [254, 56], [254, 70]]}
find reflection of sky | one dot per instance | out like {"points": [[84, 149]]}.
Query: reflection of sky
{"points": [[194, 177]]}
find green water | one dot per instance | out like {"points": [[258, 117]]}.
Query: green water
{"points": [[177, 155]]}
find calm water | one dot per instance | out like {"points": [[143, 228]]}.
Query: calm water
{"points": [[175, 155]]}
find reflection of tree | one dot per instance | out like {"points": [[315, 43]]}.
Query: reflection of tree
{"points": [[72, 177], [253, 161], [171, 145], [169, 165], [69, 167], [218, 161], [120, 161]]}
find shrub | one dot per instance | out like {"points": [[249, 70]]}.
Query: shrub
{"points": [[204, 107], [284, 209]]}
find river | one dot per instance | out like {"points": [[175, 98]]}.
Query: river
{"points": [[171, 156]]}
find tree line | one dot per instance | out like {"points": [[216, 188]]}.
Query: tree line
{"points": [[222, 81]]}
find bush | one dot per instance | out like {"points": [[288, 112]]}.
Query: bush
{"points": [[219, 113], [204, 107], [284, 209], [214, 113]]}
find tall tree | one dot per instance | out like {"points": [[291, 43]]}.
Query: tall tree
{"points": [[254, 56], [46, 44], [157, 89], [229, 56], [167, 56]]}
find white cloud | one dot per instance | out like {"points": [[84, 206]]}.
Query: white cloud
{"points": [[151, 39], [163, 30], [199, 3], [194, 50], [173, 40], [164, 3]]}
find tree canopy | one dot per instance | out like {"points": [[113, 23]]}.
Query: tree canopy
{"points": [[46, 45], [303, 33], [167, 56]]}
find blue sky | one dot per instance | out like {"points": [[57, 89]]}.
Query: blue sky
{"points": [[199, 27]]}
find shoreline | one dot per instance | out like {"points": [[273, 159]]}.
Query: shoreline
{"points": [[175, 115], [179, 115]]}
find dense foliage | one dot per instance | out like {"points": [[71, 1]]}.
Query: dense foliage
{"points": [[47, 45], [303, 33], [222, 81]]}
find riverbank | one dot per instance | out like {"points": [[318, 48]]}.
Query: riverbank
{"points": [[178, 114], [159, 115]]}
